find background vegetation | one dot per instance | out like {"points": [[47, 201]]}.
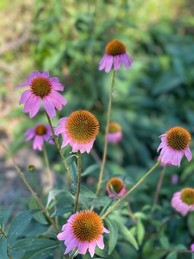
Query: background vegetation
{"points": [[67, 38]]}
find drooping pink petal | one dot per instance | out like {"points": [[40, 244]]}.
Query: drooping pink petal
{"points": [[117, 62], [188, 154], [49, 107], [100, 242], [30, 133], [92, 247], [109, 63], [82, 247], [38, 143], [72, 244], [25, 96]]}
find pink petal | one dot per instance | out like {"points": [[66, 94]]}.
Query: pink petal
{"points": [[100, 243], [32, 105], [49, 107], [82, 247], [30, 133], [59, 98], [92, 247], [117, 62], [25, 96], [73, 244], [109, 64], [188, 154], [38, 142]]}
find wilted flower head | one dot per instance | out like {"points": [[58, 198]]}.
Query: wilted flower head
{"points": [[183, 201], [115, 54], [83, 231], [42, 88], [115, 187], [79, 130], [39, 134], [174, 145], [114, 132]]}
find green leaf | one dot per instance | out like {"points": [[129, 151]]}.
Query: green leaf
{"points": [[113, 235], [33, 246], [90, 169], [172, 255], [18, 225], [140, 232], [39, 216], [51, 196], [127, 235], [4, 216], [3, 248], [87, 192]]}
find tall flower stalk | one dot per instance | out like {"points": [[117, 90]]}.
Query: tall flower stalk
{"points": [[106, 136], [59, 149], [78, 181], [110, 209]]}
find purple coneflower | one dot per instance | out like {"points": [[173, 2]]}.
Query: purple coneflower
{"points": [[174, 145], [114, 132], [115, 188], [83, 231], [42, 88], [79, 130], [115, 55], [39, 134], [183, 201]]}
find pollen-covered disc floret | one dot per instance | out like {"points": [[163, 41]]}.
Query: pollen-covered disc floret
{"points": [[174, 145], [83, 231], [79, 130], [115, 187], [42, 88], [39, 134], [114, 132], [183, 201], [115, 55]]}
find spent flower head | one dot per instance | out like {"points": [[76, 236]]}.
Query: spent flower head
{"points": [[115, 55], [174, 145], [79, 130], [114, 132], [83, 231], [183, 201], [39, 134], [43, 88], [115, 188]]}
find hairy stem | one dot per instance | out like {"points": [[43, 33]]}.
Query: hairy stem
{"points": [[78, 181], [59, 149], [106, 135]]}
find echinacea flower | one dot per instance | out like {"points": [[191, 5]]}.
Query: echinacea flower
{"points": [[115, 55], [79, 130], [114, 132], [174, 145], [39, 134], [83, 231], [192, 247], [42, 88], [115, 187], [183, 201]]}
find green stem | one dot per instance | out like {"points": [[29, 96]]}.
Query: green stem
{"points": [[160, 181], [106, 135], [78, 181], [59, 149], [49, 173], [131, 190], [34, 194]]}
